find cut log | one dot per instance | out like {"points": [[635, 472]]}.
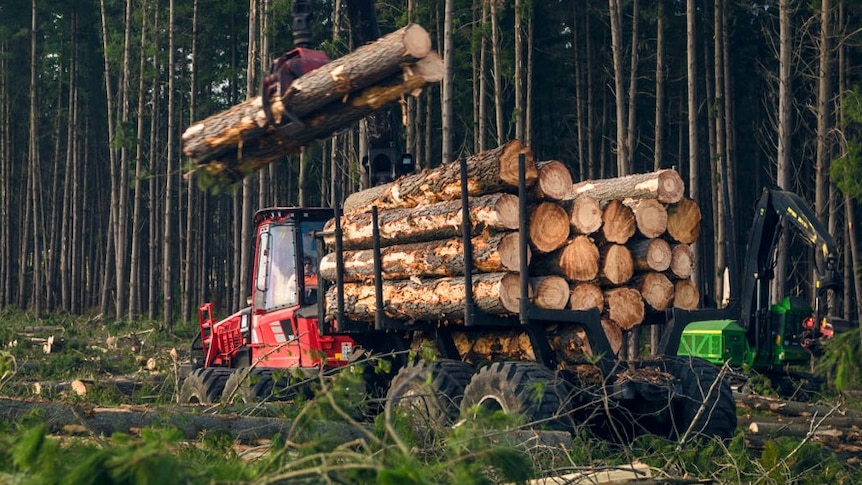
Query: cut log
{"points": [[578, 260], [683, 221], [550, 292], [625, 307], [614, 334], [430, 299], [364, 67], [427, 223], [650, 217], [549, 227], [586, 215], [656, 289], [554, 181], [92, 420], [237, 162], [585, 296], [682, 261], [491, 254], [665, 185], [618, 222], [489, 171], [616, 267], [790, 408], [493, 345], [650, 254], [686, 295]]}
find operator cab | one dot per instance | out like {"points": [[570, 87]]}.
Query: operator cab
{"points": [[284, 269]]}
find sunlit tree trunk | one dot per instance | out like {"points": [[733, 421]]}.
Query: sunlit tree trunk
{"points": [[33, 164], [619, 86], [135, 267], [191, 205], [483, 83], [824, 112], [66, 260], [720, 150], [247, 189], [785, 101], [110, 258], [448, 61], [691, 55], [519, 71]]}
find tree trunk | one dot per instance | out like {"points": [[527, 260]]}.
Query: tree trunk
{"points": [[134, 269], [651, 254], [483, 81], [576, 261], [665, 185], [554, 181], [784, 133], [691, 78], [616, 267], [489, 171], [425, 223], [619, 86], [498, 83], [169, 240], [448, 100], [548, 227], [686, 295], [586, 215], [366, 66], [658, 150], [683, 221], [656, 289], [492, 254], [625, 307], [618, 222], [550, 292], [585, 296], [650, 217], [430, 299], [519, 72], [34, 169]]}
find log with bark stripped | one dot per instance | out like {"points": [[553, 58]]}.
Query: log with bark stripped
{"points": [[656, 289], [683, 221], [616, 267], [665, 185], [428, 222], [618, 222], [430, 299], [433, 258], [489, 171], [650, 216], [585, 296], [682, 261], [578, 260], [493, 345], [554, 181], [586, 215], [685, 294], [550, 292], [241, 160], [549, 227], [650, 254], [364, 67], [625, 307]]}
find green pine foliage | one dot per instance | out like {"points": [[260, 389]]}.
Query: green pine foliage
{"points": [[840, 361]]}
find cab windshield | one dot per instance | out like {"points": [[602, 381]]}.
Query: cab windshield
{"points": [[279, 253]]}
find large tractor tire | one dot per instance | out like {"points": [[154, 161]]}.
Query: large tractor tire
{"points": [[204, 385], [527, 390], [697, 377], [247, 385], [430, 392]]}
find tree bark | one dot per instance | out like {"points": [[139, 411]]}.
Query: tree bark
{"points": [[625, 307], [550, 292], [447, 113], [586, 215], [617, 267], [548, 227], [489, 171], [554, 181], [618, 222], [366, 66], [428, 222], [251, 155], [664, 185], [651, 254], [683, 221], [491, 254], [691, 80], [585, 296], [430, 299]]}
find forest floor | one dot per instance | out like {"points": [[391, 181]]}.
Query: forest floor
{"points": [[109, 389]]}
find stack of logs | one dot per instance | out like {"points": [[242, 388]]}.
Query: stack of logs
{"points": [[620, 245]]}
